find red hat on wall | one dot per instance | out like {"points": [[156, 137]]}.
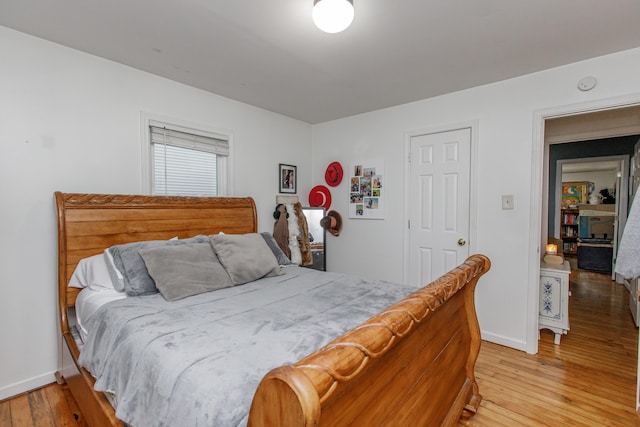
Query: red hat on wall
{"points": [[333, 175], [320, 196]]}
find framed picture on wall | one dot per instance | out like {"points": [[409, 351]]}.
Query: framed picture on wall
{"points": [[287, 178], [574, 193]]}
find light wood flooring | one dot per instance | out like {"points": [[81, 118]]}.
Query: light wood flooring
{"points": [[588, 380], [51, 405]]}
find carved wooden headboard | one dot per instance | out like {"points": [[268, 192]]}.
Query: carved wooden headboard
{"points": [[90, 223]]}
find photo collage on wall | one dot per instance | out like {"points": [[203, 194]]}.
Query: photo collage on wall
{"points": [[366, 190]]}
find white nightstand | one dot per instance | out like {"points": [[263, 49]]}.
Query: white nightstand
{"points": [[554, 298]]}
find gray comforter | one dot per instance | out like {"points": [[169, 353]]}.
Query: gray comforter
{"points": [[197, 361]]}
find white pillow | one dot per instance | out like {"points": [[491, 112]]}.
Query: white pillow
{"points": [[91, 273]]}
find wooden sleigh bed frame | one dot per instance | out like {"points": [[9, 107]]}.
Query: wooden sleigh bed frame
{"points": [[412, 364]]}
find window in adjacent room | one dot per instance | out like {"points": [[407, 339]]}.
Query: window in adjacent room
{"points": [[185, 161]]}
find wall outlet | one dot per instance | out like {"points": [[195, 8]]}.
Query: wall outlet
{"points": [[507, 201]]}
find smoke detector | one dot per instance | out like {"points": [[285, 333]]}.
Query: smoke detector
{"points": [[587, 83]]}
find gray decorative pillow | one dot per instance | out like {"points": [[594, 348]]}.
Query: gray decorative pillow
{"points": [[114, 274], [246, 257], [277, 252], [180, 271], [135, 279]]}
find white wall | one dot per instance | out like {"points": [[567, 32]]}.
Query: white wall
{"points": [[504, 113], [71, 122]]}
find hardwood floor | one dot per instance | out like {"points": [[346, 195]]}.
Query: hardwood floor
{"points": [[51, 405], [588, 380]]}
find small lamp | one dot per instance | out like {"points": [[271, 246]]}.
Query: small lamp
{"points": [[332, 16], [552, 249]]}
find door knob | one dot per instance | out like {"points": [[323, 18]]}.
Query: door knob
{"points": [[461, 242]]}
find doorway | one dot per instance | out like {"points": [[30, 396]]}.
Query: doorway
{"points": [[612, 117], [588, 121], [603, 213]]}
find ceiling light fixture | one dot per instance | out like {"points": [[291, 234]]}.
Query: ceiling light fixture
{"points": [[332, 16]]}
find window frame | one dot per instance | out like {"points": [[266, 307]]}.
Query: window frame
{"points": [[223, 163]]}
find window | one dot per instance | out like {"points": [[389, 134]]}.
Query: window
{"points": [[185, 161]]}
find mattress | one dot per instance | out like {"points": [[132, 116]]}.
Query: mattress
{"points": [[88, 302]]}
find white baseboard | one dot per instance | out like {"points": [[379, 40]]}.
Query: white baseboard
{"points": [[507, 342], [26, 385]]}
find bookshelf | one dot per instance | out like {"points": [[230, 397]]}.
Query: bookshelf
{"points": [[569, 226]]}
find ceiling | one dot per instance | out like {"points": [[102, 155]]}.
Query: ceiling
{"points": [[269, 53]]}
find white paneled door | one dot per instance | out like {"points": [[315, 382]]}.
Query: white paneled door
{"points": [[438, 203]]}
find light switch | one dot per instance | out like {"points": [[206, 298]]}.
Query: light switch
{"points": [[507, 201]]}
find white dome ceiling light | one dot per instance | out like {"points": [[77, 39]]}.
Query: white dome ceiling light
{"points": [[332, 16]]}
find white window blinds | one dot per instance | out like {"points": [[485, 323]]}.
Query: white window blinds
{"points": [[184, 163]]}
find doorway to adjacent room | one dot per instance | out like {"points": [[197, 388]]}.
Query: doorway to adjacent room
{"points": [[564, 125]]}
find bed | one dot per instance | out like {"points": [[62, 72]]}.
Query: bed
{"points": [[410, 363]]}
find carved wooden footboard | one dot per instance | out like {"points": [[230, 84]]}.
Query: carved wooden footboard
{"points": [[412, 364]]}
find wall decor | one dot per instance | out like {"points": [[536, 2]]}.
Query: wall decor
{"points": [[366, 189], [320, 196], [287, 178], [334, 173], [574, 193]]}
